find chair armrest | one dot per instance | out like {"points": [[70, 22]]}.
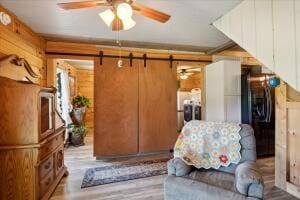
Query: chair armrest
{"points": [[178, 168], [248, 180]]}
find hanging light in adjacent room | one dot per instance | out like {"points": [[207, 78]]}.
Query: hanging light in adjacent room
{"points": [[183, 76], [107, 16]]}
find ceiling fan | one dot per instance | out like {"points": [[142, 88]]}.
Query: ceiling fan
{"points": [[185, 71], [119, 13]]}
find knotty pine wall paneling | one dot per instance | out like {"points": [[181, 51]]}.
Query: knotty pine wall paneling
{"points": [[116, 108], [85, 86], [287, 159], [19, 39]]}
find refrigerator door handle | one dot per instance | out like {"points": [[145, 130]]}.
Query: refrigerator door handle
{"points": [[269, 104]]}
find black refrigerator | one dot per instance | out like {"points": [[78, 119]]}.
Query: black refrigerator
{"points": [[258, 110]]}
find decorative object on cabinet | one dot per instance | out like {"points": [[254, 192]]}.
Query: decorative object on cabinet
{"points": [[32, 138], [17, 68]]}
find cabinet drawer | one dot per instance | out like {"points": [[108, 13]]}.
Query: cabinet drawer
{"points": [[59, 160], [46, 167], [45, 183], [50, 146]]}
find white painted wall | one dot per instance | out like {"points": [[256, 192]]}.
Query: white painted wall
{"points": [[223, 91], [270, 31]]}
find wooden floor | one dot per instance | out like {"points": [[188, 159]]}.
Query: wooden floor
{"points": [[79, 159]]}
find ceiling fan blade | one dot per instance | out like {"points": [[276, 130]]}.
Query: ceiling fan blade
{"points": [[150, 12], [117, 24], [84, 4], [194, 70], [180, 68], [188, 74]]}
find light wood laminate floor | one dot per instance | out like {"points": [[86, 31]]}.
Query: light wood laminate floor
{"points": [[79, 159]]}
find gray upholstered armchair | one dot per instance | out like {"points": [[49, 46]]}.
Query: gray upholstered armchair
{"points": [[235, 182]]}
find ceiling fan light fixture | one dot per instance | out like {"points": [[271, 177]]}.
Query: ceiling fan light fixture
{"points": [[128, 23], [124, 11], [107, 16], [183, 76]]}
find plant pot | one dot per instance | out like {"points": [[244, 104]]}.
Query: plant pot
{"points": [[78, 115], [77, 139]]}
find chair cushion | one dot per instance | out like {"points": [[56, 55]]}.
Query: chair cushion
{"points": [[214, 178], [184, 188]]}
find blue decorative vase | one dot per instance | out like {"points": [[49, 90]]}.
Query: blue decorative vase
{"points": [[274, 82]]}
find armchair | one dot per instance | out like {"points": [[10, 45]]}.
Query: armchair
{"points": [[240, 181]]}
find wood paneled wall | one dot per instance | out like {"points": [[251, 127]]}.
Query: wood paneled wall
{"points": [[19, 39], [193, 81], [52, 65], [287, 161], [85, 86], [269, 31], [93, 49]]}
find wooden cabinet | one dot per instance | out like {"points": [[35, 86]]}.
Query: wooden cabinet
{"points": [[31, 141], [135, 107]]}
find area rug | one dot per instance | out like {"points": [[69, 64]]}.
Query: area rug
{"points": [[123, 172]]}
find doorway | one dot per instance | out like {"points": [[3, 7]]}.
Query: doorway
{"points": [[73, 79], [190, 91]]}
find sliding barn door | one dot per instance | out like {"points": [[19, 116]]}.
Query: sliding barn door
{"points": [[116, 108], [157, 106]]}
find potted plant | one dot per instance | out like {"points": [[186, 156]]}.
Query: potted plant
{"points": [[77, 134], [77, 128], [80, 103]]}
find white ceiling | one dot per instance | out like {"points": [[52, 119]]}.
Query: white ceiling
{"points": [[189, 24], [81, 64]]}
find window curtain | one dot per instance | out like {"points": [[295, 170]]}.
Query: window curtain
{"points": [[64, 101]]}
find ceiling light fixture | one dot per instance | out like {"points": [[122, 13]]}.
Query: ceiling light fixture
{"points": [[128, 23], [123, 13], [183, 76], [119, 12], [107, 16]]}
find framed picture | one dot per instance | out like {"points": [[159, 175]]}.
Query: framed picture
{"points": [[72, 85]]}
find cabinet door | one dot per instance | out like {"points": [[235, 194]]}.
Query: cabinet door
{"points": [[233, 109], [214, 92], [59, 160], [157, 106], [116, 108], [232, 77]]}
